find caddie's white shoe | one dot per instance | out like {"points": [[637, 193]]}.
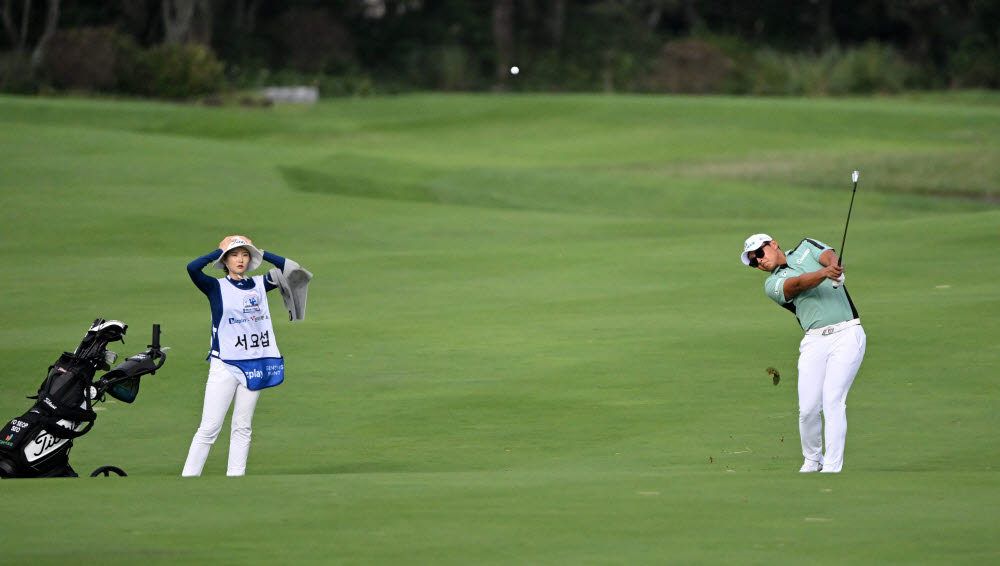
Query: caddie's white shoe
{"points": [[810, 466]]}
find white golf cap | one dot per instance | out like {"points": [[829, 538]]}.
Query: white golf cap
{"points": [[256, 257], [752, 243]]}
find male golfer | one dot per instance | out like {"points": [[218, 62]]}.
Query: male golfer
{"points": [[803, 281]]}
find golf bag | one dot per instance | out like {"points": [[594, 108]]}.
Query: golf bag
{"points": [[37, 444]]}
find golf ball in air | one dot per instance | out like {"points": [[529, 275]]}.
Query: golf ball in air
{"points": [[514, 70]]}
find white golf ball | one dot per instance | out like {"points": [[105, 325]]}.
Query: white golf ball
{"points": [[514, 70]]}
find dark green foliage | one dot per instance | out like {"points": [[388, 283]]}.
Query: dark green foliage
{"points": [[86, 58], [171, 70], [872, 68], [359, 47], [691, 66], [975, 63], [15, 75]]}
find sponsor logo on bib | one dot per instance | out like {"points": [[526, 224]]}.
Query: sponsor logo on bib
{"points": [[251, 302], [253, 318]]}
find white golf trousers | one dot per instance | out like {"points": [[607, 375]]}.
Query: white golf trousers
{"points": [[827, 366], [221, 389]]}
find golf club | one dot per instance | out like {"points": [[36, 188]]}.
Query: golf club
{"points": [[840, 259]]}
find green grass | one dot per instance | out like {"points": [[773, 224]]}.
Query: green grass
{"points": [[528, 339]]}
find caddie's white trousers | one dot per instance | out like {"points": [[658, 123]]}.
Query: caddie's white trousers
{"points": [[221, 389], [827, 366]]}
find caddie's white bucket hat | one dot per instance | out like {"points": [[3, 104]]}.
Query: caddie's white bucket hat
{"points": [[256, 257], [751, 245]]}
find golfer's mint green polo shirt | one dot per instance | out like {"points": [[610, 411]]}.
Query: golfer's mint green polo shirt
{"points": [[817, 307]]}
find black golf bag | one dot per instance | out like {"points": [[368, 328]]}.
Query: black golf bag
{"points": [[37, 444]]}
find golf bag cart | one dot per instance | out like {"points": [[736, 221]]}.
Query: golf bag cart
{"points": [[37, 444]]}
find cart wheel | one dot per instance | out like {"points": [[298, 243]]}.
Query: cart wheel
{"points": [[106, 471]]}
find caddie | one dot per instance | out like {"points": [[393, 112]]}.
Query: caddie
{"points": [[244, 356], [808, 282]]}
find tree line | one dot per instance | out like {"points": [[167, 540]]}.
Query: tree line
{"points": [[181, 48]]}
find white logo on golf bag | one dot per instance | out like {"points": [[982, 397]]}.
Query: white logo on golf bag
{"points": [[45, 444]]}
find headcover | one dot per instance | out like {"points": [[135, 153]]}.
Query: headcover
{"points": [[256, 257]]}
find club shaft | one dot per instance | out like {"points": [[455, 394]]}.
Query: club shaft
{"points": [[840, 259]]}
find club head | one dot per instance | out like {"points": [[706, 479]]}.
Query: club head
{"points": [[854, 176]]}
